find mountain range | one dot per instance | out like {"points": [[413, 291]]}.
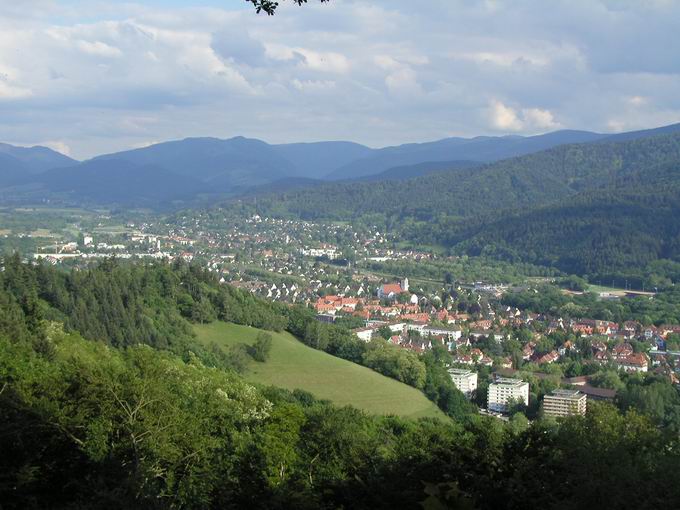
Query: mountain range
{"points": [[182, 172], [610, 204]]}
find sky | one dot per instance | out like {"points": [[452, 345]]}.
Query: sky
{"points": [[92, 76]]}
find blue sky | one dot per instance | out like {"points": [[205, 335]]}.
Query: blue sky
{"points": [[94, 76]]}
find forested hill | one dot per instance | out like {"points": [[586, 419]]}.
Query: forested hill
{"points": [[136, 416], [535, 179], [452, 208], [623, 227]]}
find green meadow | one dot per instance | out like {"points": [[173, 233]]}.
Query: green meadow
{"points": [[293, 365]]}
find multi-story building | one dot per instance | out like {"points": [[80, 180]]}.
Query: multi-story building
{"points": [[565, 403], [465, 380], [504, 390]]}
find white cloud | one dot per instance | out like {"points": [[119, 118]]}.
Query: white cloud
{"points": [[57, 146], [638, 100], [109, 75], [313, 85], [539, 119], [616, 125], [403, 82], [98, 49], [506, 118], [9, 86], [8, 92], [503, 58], [145, 144], [503, 117], [386, 62], [330, 62]]}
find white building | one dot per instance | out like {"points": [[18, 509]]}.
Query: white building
{"points": [[454, 333], [331, 253], [504, 390], [465, 380], [564, 403], [365, 334]]}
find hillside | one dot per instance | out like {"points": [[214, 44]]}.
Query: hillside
{"points": [[626, 225], [122, 182], [515, 183], [92, 424], [418, 170], [293, 365], [481, 149], [12, 171], [489, 209]]}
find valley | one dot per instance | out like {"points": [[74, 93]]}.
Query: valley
{"points": [[339, 254]]}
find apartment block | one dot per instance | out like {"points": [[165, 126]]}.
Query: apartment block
{"points": [[465, 380], [565, 403], [504, 390]]}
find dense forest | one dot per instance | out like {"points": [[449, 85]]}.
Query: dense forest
{"points": [[627, 225], [147, 421], [124, 304], [582, 208]]}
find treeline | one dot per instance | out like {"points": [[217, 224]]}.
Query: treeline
{"points": [[124, 303], [86, 425]]}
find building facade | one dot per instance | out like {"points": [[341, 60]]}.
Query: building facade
{"points": [[565, 403], [465, 380], [503, 391]]}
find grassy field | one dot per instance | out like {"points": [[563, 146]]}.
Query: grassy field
{"points": [[616, 291], [293, 365]]}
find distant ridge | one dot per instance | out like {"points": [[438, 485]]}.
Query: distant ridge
{"points": [[583, 208], [215, 168], [480, 149], [36, 159], [644, 133]]}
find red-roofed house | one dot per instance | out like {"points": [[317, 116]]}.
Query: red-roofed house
{"points": [[635, 362], [392, 290], [621, 351]]}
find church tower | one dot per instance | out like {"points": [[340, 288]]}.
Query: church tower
{"points": [[404, 285]]}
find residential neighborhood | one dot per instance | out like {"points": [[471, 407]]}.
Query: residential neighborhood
{"points": [[330, 268]]}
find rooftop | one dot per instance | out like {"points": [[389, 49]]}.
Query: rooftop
{"points": [[509, 382], [570, 394], [460, 371]]}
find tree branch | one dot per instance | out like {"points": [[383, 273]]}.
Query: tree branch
{"points": [[269, 6]]}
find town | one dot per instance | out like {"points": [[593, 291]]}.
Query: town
{"points": [[502, 356]]}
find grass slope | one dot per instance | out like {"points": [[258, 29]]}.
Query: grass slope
{"points": [[293, 365]]}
